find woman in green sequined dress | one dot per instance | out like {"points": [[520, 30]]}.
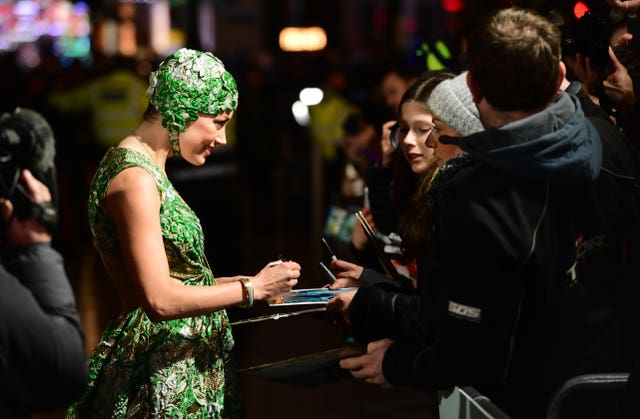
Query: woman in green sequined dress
{"points": [[169, 353]]}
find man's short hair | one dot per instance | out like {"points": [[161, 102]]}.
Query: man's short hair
{"points": [[514, 56]]}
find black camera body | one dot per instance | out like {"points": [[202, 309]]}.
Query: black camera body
{"points": [[589, 35], [395, 135], [27, 142]]}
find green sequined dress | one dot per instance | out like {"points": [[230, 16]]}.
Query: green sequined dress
{"points": [[179, 368]]}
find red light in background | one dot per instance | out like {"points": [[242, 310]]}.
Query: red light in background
{"points": [[580, 9], [452, 6]]}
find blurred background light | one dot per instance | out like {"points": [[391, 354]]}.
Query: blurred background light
{"points": [[300, 113], [312, 38], [579, 9], [311, 96]]}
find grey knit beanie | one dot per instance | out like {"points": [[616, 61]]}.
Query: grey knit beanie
{"points": [[451, 102]]}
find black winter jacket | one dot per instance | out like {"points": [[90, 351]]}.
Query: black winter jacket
{"points": [[42, 356], [511, 303]]}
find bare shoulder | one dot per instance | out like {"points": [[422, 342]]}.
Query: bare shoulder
{"points": [[132, 180], [132, 190]]}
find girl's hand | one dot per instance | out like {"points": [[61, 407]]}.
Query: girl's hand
{"points": [[347, 273]]}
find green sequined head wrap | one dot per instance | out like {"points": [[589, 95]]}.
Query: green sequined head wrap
{"points": [[187, 83]]}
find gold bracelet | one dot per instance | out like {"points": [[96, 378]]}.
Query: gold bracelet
{"points": [[247, 293]]}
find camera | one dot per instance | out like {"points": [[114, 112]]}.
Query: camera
{"points": [[395, 135], [589, 35], [27, 142]]}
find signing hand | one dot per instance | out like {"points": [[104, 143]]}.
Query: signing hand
{"points": [[275, 279], [368, 367], [347, 274]]}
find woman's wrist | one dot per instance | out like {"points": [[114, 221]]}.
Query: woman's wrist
{"points": [[228, 279]]}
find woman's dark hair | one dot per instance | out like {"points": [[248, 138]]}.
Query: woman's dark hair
{"points": [[151, 113], [421, 89], [409, 190]]}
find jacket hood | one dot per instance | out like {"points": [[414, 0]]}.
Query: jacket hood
{"points": [[557, 144]]}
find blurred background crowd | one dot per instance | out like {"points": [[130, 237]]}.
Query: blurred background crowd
{"points": [[316, 79]]}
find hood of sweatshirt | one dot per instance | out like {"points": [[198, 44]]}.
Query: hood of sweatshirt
{"points": [[557, 144]]}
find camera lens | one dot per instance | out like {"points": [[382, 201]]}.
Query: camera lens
{"points": [[394, 136]]}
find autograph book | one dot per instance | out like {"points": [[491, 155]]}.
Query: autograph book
{"points": [[308, 370], [306, 296]]}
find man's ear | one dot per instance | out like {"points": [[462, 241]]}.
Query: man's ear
{"points": [[474, 88], [562, 76]]}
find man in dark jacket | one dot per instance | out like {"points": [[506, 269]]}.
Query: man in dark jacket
{"points": [[42, 356], [512, 304]]}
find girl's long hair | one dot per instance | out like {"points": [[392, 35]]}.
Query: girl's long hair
{"points": [[409, 190]]}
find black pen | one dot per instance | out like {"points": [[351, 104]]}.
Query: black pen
{"points": [[333, 255], [279, 261]]}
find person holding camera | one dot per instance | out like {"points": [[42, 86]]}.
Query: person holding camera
{"points": [[589, 57], [42, 355]]}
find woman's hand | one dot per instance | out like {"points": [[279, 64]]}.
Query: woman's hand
{"points": [[275, 279]]}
